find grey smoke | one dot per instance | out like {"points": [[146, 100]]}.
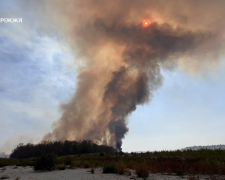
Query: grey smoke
{"points": [[121, 60]]}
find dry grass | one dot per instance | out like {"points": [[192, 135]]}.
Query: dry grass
{"points": [[121, 167], [142, 170], [86, 164], [61, 167], [208, 162]]}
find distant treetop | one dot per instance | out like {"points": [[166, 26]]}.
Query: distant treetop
{"points": [[59, 148]]}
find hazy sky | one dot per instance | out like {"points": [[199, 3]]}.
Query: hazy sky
{"points": [[37, 73]]}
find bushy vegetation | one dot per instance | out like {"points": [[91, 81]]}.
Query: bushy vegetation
{"points": [[86, 164], [109, 168], [45, 162], [120, 167], [61, 167], [68, 160], [59, 148], [173, 162], [114, 167], [142, 170], [18, 162]]}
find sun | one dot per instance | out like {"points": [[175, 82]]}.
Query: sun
{"points": [[146, 23]]}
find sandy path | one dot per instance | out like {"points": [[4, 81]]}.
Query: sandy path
{"points": [[27, 173]]}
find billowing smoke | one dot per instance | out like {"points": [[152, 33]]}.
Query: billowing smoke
{"points": [[120, 59]]}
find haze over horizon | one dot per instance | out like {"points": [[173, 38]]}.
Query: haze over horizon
{"points": [[63, 73]]}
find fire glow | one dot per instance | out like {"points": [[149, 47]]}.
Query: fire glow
{"points": [[146, 23]]}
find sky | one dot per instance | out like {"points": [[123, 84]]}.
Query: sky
{"points": [[38, 73]]}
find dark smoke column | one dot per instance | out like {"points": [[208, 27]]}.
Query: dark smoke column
{"points": [[124, 92], [134, 83], [121, 60]]}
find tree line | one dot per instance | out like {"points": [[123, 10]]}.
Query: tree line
{"points": [[59, 148]]}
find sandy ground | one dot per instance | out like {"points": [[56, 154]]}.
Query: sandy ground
{"points": [[27, 173]]}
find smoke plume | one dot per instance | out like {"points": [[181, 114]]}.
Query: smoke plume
{"points": [[120, 59]]}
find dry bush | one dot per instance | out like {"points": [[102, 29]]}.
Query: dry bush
{"points": [[120, 168], [61, 167], [79, 164], [76, 164], [185, 167], [45, 162], [110, 168], [68, 160], [130, 165], [86, 164], [73, 165], [92, 170], [142, 170]]}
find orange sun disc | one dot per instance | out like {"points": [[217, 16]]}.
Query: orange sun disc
{"points": [[146, 23]]}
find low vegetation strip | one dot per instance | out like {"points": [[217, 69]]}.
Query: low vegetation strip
{"points": [[180, 162]]}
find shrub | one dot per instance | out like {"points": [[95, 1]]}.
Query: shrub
{"points": [[86, 164], [109, 169], [120, 167], [26, 162], [92, 170], [68, 160], [45, 162], [61, 167], [8, 162], [75, 164], [130, 165], [78, 164], [142, 170], [179, 172]]}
